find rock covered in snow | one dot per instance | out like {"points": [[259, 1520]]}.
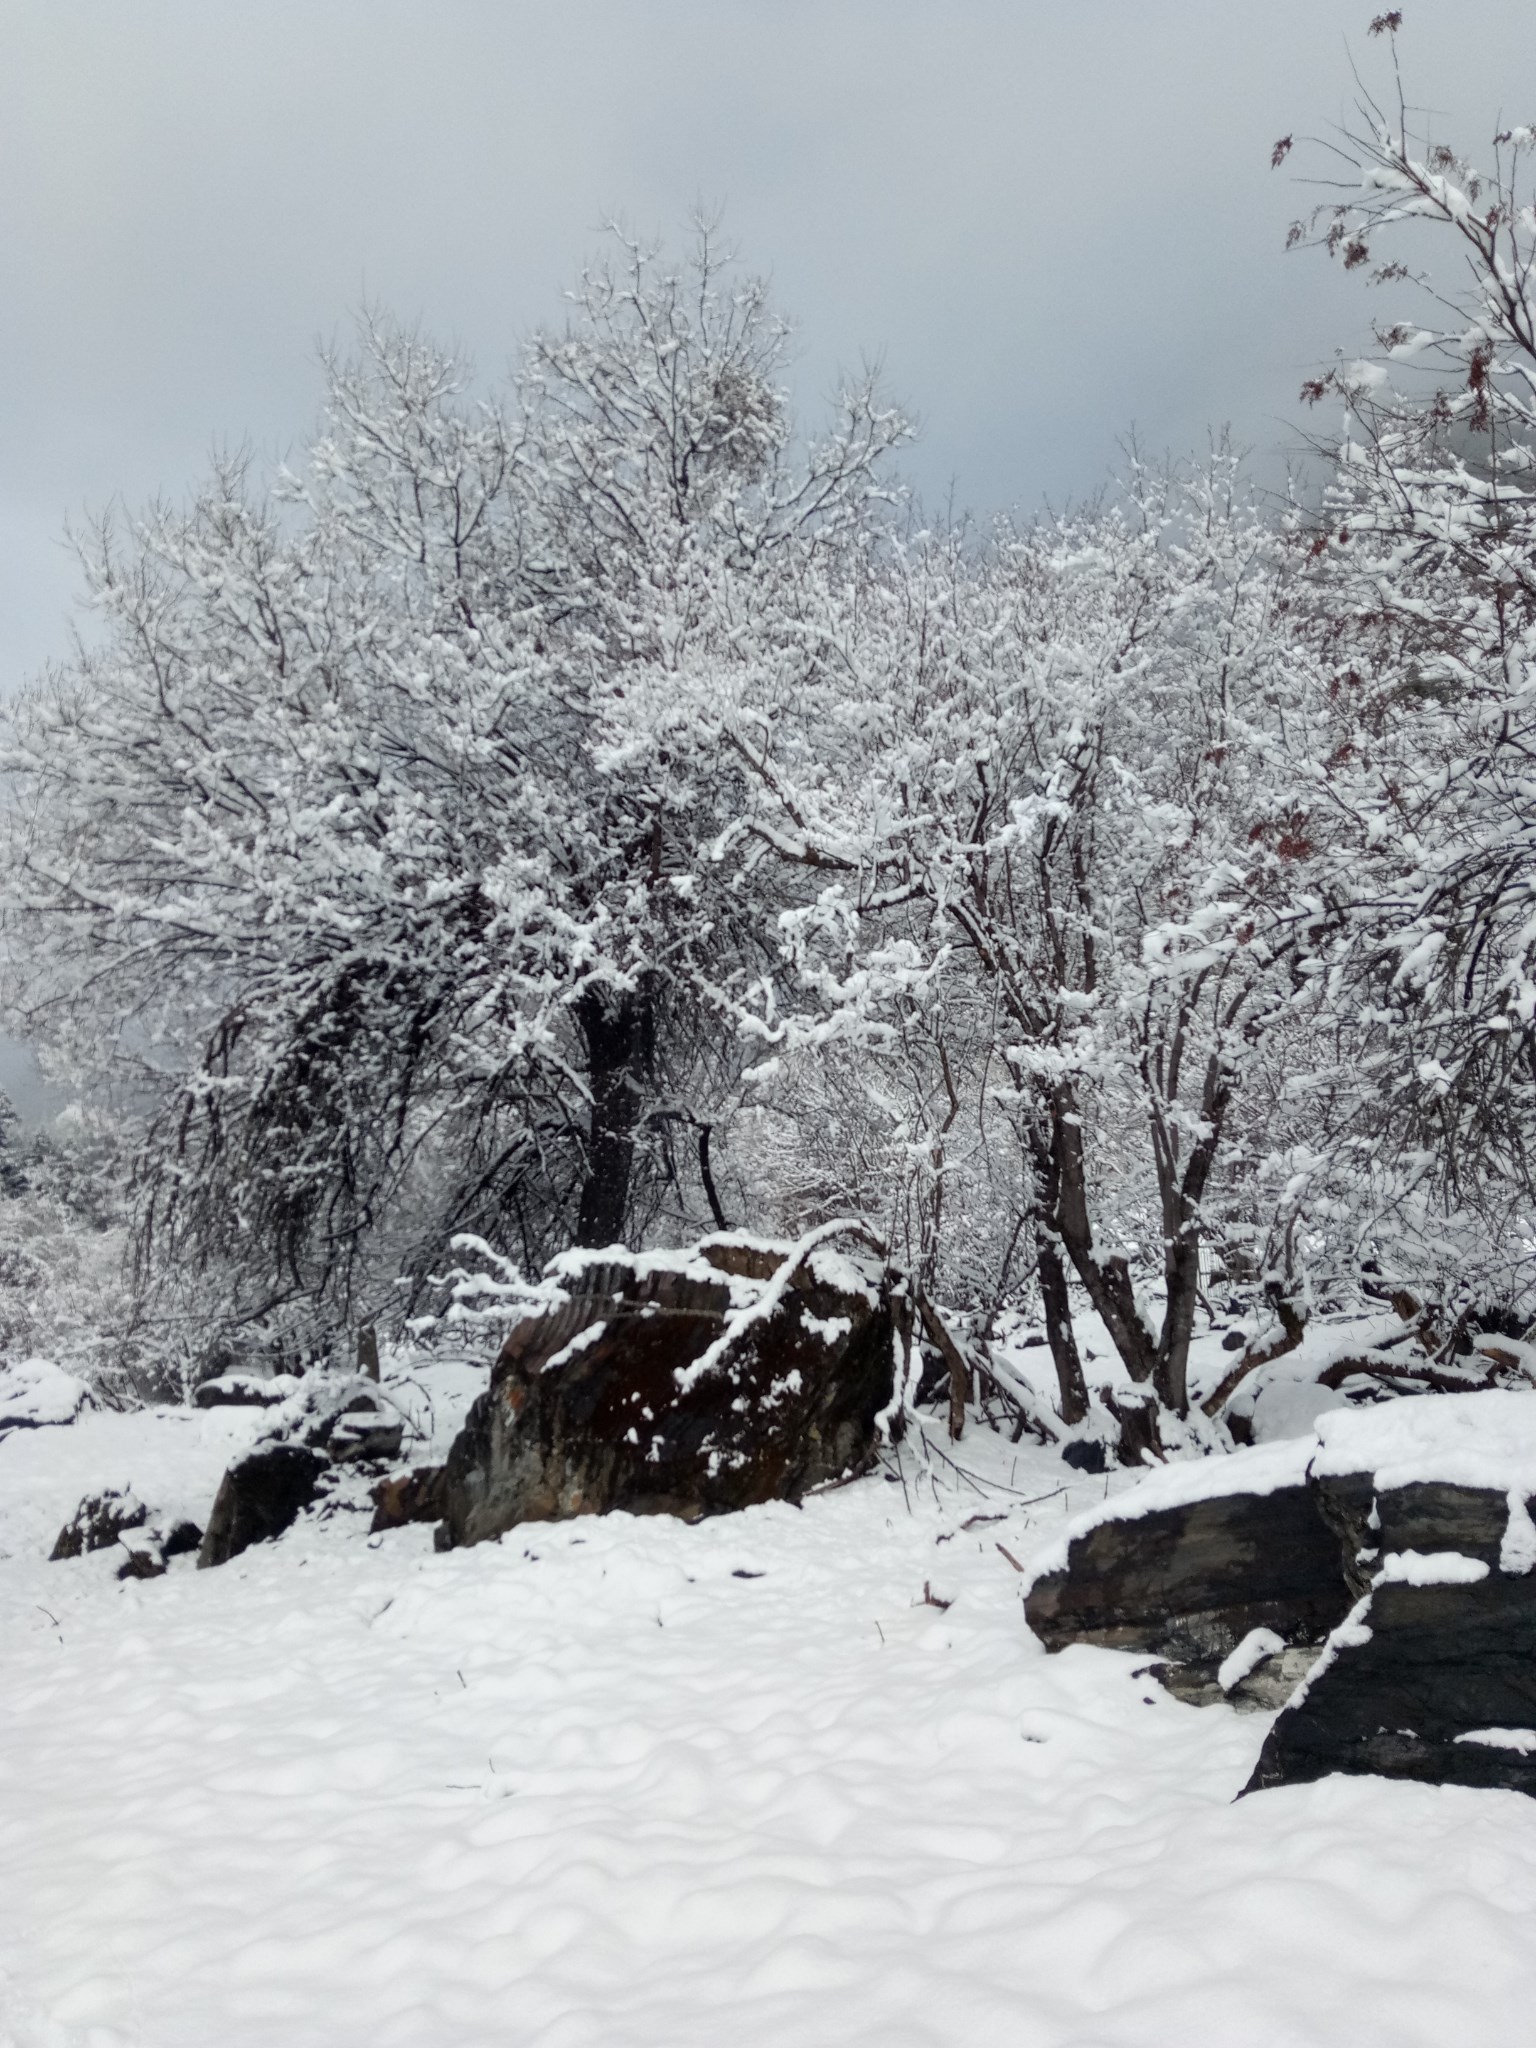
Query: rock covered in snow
{"points": [[98, 1522], [1194, 1560], [117, 1517], [259, 1497], [1432, 1675], [245, 1390], [149, 1551], [684, 1383], [1484, 1440], [37, 1394], [343, 1414], [1418, 1513], [331, 1418]]}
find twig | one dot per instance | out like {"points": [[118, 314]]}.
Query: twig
{"points": [[1010, 1557], [986, 1486], [901, 1474], [1292, 1330], [832, 1485], [960, 1471], [954, 1358]]}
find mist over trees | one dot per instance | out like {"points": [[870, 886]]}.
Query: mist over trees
{"points": [[600, 811]]}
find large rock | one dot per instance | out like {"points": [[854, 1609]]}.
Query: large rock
{"points": [[330, 1419], [99, 1522], [1193, 1560], [1433, 1673], [1415, 1516], [1430, 1678], [117, 1517], [259, 1497], [682, 1383]]}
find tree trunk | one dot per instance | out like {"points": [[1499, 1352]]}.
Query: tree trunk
{"points": [[1182, 1197], [1181, 1269], [617, 1029], [368, 1351], [954, 1358], [1107, 1281], [1052, 1276], [1072, 1386], [1293, 1327]]}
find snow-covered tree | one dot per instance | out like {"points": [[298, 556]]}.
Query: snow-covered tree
{"points": [[669, 497], [368, 841], [1046, 783], [1423, 562], [65, 1285]]}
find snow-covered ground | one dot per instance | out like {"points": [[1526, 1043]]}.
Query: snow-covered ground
{"points": [[632, 1784]]}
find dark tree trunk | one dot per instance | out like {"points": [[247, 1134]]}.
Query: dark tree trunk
{"points": [[368, 1351], [1058, 1328], [1293, 1327], [617, 1029], [1107, 1281], [1182, 1195], [711, 1193], [1181, 1270], [1052, 1275]]}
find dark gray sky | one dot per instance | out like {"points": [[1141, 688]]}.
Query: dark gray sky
{"points": [[1051, 218]]}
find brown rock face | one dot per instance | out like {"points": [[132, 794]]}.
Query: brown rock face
{"points": [[404, 1497], [594, 1406]]}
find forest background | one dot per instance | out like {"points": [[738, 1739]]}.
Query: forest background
{"points": [[597, 809]]}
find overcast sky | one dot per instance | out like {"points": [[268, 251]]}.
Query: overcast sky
{"points": [[1052, 219]]}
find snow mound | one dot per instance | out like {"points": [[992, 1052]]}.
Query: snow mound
{"points": [[36, 1394], [1484, 1440]]}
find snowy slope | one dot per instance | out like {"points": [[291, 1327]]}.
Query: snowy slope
{"points": [[630, 1784]]}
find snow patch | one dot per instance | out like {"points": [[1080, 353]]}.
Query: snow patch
{"points": [[1482, 1439], [1256, 1648], [633, 1781], [1429, 1568], [1521, 1740], [1517, 1553]]}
